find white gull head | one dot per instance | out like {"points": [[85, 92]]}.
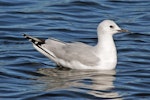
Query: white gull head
{"points": [[109, 27]]}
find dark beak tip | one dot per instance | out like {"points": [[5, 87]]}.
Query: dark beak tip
{"points": [[125, 31]]}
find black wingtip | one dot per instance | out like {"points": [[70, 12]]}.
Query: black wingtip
{"points": [[34, 40], [25, 35]]}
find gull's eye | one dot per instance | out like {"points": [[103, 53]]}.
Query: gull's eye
{"points": [[111, 26]]}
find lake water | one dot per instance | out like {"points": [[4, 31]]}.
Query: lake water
{"points": [[25, 74]]}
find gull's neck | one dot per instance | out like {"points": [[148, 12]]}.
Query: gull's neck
{"points": [[106, 50]]}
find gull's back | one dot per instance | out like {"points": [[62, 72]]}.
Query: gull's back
{"points": [[72, 52]]}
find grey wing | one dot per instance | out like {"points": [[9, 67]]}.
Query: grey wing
{"points": [[83, 53], [54, 49], [53, 46]]}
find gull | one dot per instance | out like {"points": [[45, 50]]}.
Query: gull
{"points": [[77, 55]]}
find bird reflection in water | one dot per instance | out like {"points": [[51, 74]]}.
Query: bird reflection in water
{"points": [[95, 83]]}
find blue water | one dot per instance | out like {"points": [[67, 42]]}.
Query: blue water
{"points": [[25, 74]]}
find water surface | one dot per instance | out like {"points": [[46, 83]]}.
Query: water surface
{"points": [[25, 74]]}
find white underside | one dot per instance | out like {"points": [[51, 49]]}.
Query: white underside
{"points": [[78, 65], [101, 65]]}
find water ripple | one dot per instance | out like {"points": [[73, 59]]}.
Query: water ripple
{"points": [[26, 74]]}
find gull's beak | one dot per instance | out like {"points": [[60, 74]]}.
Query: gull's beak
{"points": [[124, 31]]}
